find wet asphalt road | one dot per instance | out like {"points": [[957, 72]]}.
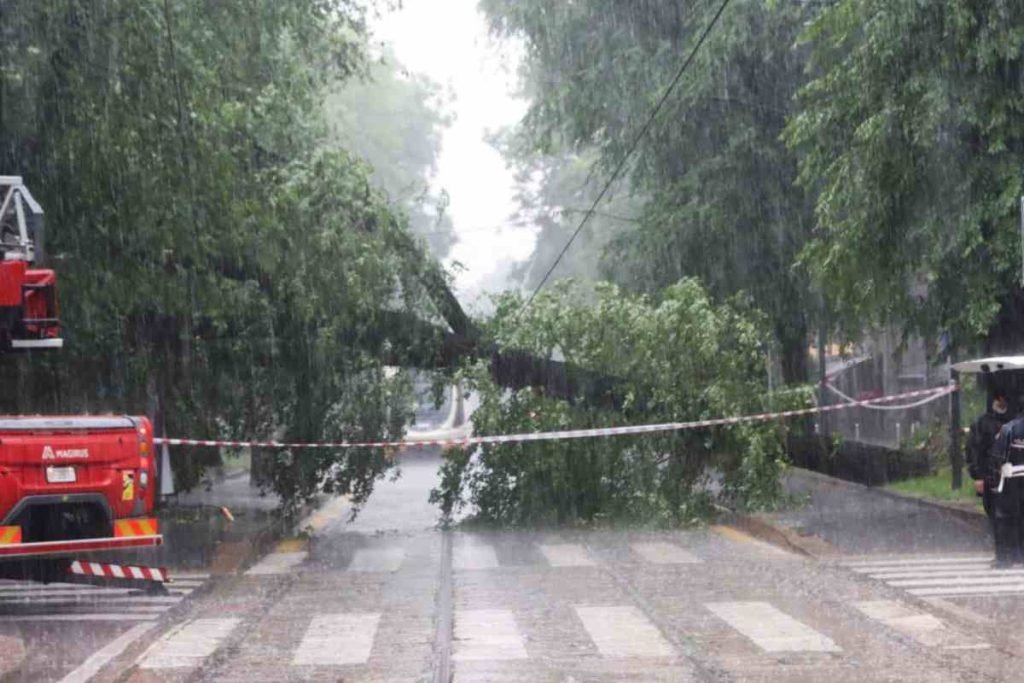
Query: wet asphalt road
{"points": [[390, 597]]}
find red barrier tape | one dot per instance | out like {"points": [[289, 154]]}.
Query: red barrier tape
{"points": [[566, 434]]}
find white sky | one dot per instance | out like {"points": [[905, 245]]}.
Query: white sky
{"points": [[448, 41]]}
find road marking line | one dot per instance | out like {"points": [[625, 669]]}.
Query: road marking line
{"points": [[475, 556], [276, 563], [910, 562], [948, 573], [954, 582], [623, 631], [330, 511], [968, 590], [101, 593], [7, 588], [69, 607], [664, 553], [566, 555], [925, 569], [740, 537], [771, 629], [106, 600], [84, 588], [188, 645], [292, 545], [114, 648], [337, 639], [486, 634], [377, 560], [105, 616], [921, 626]]}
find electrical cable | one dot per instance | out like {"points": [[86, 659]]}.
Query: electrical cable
{"points": [[629, 152]]}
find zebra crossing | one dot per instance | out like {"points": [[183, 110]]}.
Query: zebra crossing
{"points": [[481, 556], [25, 601], [949, 576], [348, 639], [340, 637], [612, 632]]}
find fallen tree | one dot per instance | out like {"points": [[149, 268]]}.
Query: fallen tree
{"points": [[690, 358]]}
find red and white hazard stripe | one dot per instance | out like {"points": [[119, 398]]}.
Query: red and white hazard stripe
{"points": [[117, 571], [566, 434]]}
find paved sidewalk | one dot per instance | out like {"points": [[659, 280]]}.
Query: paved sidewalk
{"points": [[860, 520]]}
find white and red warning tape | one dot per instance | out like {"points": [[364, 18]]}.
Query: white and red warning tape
{"points": [[117, 571], [564, 434]]}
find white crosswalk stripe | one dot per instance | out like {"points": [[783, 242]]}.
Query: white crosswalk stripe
{"points": [[337, 639], [664, 553], [187, 646], [946, 572], [24, 601], [566, 555], [864, 564], [770, 628], [942, 576], [921, 626], [474, 556], [377, 560], [623, 631], [277, 563], [487, 634]]}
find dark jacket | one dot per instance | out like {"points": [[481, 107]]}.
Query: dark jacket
{"points": [[1009, 447], [980, 441]]}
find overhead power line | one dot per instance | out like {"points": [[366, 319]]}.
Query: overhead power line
{"points": [[629, 152], [455, 232]]}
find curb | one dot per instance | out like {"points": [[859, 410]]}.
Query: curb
{"points": [[766, 530], [231, 556], [974, 517]]}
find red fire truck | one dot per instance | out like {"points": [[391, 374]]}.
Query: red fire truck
{"points": [[68, 485]]}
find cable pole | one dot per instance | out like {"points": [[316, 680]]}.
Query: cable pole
{"points": [[956, 459]]}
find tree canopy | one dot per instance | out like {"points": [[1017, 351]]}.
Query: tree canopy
{"points": [[910, 135], [218, 258]]}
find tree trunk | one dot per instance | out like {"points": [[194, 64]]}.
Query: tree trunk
{"points": [[794, 354], [1006, 334]]}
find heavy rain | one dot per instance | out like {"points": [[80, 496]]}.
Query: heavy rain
{"points": [[511, 340]]}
